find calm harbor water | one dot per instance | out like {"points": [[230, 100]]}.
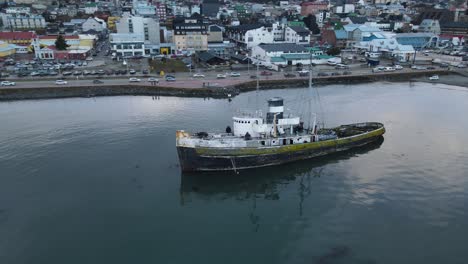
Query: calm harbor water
{"points": [[96, 180]]}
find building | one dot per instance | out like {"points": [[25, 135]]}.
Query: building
{"points": [[143, 8], [215, 34], [23, 21], [321, 17], [312, 8], [430, 25], [90, 8], [344, 9], [298, 35], [17, 37], [190, 34], [72, 41], [94, 23], [147, 26], [7, 49], [389, 48], [455, 28], [280, 54], [417, 40], [127, 44], [161, 11], [111, 22]]}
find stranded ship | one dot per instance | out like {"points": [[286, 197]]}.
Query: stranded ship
{"points": [[257, 141]]}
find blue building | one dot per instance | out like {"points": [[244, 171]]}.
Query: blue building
{"points": [[417, 40]]}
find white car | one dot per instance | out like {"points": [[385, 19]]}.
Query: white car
{"points": [[235, 74], [7, 83], [134, 80], [398, 67], [152, 79], [60, 82], [198, 75], [389, 69], [221, 76], [434, 78]]}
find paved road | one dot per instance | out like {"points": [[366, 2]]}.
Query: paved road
{"points": [[184, 80]]}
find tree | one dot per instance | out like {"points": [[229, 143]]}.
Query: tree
{"points": [[333, 51], [60, 43], [311, 23]]}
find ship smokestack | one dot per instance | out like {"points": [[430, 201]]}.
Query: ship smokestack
{"points": [[275, 106]]}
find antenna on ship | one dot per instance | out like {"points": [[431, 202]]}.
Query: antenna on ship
{"points": [[257, 89]]}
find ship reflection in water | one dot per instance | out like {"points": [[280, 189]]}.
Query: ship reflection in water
{"points": [[262, 181]]}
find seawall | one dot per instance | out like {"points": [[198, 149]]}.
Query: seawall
{"points": [[213, 92]]}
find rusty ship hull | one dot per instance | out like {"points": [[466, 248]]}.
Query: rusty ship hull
{"points": [[193, 158]]}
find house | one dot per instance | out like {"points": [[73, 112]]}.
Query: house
{"points": [[299, 35], [94, 23], [49, 41], [143, 8], [355, 20], [336, 38], [344, 9], [215, 34], [312, 8], [430, 25], [209, 58], [190, 34], [90, 8], [127, 44], [250, 35]]}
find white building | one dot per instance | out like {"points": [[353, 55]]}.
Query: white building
{"points": [[94, 23], [322, 16], [297, 34], [90, 8], [143, 8], [344, 9], [389, 48], [146, 26], [21, 22], [127, 45], [284, 53], [430, 25]]}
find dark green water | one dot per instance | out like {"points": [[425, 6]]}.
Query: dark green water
{"points": [[97, 181]]}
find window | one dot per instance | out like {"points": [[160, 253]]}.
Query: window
{"points": [[262, 142]]}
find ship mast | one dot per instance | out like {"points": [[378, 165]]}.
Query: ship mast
{"points": [[310, 94]]}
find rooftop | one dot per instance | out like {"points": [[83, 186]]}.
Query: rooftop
{"points": [[284, 47]]}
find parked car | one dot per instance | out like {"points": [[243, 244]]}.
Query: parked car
{"points": [[266, 73], [97, 81], [35, 73], [434, 78], [389, 69], [341, 66], [234, 74], [398, 67], [152, 79], [347, 73], [378, 69], [66, 73], [198, 75], [134, 80], [132, 71], [336, 74], [431, 68], [61, 82], [461, 66], [323, 74], [145, 72], [7, 83], [253, 76], [76, 73], [170, 78], [289, 75], [101, 72], [221, 76]]}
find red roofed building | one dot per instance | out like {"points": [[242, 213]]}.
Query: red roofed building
{"points": [[312, 8], [18, 37]]}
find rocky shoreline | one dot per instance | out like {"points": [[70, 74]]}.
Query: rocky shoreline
{"points": [[213, 92]]}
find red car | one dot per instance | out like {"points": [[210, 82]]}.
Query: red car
{"points": [[266, 73]]}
